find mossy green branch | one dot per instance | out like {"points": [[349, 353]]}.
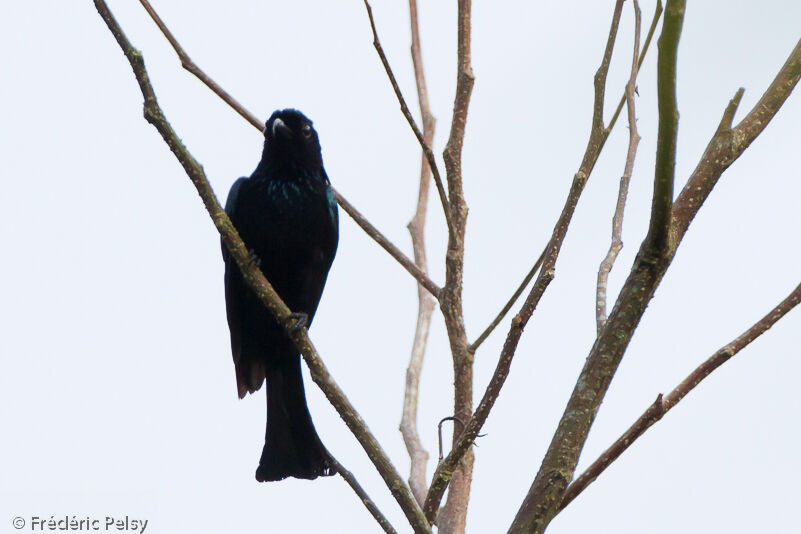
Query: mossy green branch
{"points": [[662, 201], [261, 286]]}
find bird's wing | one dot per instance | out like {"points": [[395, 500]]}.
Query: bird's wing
{"points": [[230, 209], [234, 293]]}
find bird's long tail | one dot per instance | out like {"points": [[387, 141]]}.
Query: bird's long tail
{"points": [[292, 447]]}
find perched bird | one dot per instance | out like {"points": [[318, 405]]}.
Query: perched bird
{"points": [[286, 214]]}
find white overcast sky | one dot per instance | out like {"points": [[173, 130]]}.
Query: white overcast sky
{"points": [[117, 391]]}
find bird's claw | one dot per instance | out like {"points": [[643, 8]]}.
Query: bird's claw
{"points": [[253, 259], [298, 320]]}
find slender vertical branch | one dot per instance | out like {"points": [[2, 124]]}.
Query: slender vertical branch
{"points": [[261, 286], [453, 516], [617, 220], [646, 45], [425, 304], [447, 468], [661, 205], [662, 405]]}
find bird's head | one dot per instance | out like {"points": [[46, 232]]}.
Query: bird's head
{"points": [[289, 137]]}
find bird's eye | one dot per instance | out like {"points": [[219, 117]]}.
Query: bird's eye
{"points": [[307, 130]]}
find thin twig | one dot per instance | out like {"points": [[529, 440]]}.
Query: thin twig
{"points": [[387, 245], [418, 456], [661, 406], [508, 306], [364, 224], [617, 220], [188, 64], [261, 286], [646, 45], [598, 133], [366, 500], [443, 197]]}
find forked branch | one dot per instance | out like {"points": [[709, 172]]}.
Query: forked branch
{"points": [[662, 405]]}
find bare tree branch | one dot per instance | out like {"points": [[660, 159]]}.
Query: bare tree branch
{"points": [[729, 142], [259, 284], [645, 47], [366, 500], [408, 426], [598, 134], [726, 146], [188, 64], [452, 518], [432, 163], [387, 245], [617, 220], [508, 306], [372, 231], [543, 498], [661, 405]]}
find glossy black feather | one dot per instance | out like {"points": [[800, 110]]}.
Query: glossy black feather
{"points": [[287, 216]]}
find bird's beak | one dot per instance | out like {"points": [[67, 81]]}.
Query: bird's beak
{"points": [[280, 128]]}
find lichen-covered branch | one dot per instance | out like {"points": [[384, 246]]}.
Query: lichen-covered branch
{"points": [[542, 501], [726, 145], [729, 142], [259, 284], [425, 304], [662, 405]]}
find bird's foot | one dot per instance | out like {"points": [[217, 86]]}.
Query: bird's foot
{"points": [[253, 259], [297, 320]]}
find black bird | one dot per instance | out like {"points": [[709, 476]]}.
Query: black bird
{"points": [[286, 214]]}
